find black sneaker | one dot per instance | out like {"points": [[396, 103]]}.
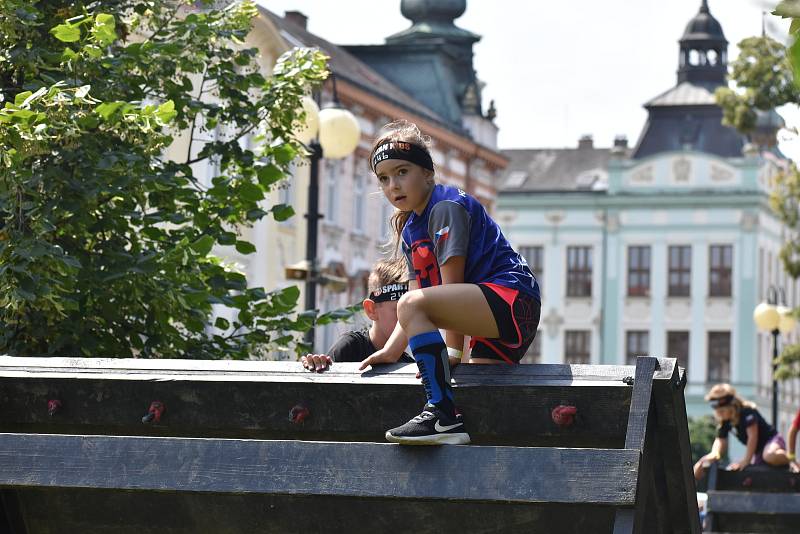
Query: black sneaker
{"points": [[431, 427]]}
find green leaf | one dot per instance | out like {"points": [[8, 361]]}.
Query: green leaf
{"points": [[283, 154], [250, 191], [244, 247], [69, 54], [66, 33], [103, 29], [794, 57], [282, 212], [203, 245], [166, 112], [107, 109], [21, 98], [222, 323], [290, 294], [269, 174]]}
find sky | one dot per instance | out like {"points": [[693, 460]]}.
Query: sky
{"points": [[558, 70]]}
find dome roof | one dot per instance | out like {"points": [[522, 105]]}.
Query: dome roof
{"points": [[432, 10], [703, 27]]}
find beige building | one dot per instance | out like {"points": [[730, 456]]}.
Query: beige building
{"points": [[355, 227]]}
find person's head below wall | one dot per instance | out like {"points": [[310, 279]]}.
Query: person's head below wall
{"points": [[385, 278], [386, 284]]}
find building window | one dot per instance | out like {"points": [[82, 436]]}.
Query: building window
{"points": [[535, 258], [678, 347], [639, 271], [534, 352], [359, 201], [720, 267], [719, 356], [679, 270], [637, 343], [579, 271], [332, 173], [577, 346]]}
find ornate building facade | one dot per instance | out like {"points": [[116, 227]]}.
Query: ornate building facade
{"points": [[664, 248]]}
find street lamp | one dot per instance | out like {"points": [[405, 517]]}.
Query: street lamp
{"points": [[774, 316], [333, 133]]}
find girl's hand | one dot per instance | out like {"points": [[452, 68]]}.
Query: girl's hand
{"points": [[736, 466], [794, 467], [379, 356], [316, 362]]}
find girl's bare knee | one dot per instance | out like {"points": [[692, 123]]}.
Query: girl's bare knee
{"points": [[409, 305]]}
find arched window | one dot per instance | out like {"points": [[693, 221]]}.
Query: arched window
{"points": [[694, 57], [713, 57]]}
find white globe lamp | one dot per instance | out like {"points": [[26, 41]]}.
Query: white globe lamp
{"points": [[339, 132], [305, 130]]}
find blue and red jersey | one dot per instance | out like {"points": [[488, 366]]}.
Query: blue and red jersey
{"points": [[456, 224]]}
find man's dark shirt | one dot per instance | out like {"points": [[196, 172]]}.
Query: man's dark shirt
{"points": [[747, 417], [354, 346]]}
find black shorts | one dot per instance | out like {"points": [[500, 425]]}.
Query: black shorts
{"points": [[517, 317]]}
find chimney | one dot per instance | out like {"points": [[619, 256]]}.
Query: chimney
{"points": [[297, 18], [621, 141], [585, 141]]}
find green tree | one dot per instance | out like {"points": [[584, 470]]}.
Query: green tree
{"points": [[766, 77], [702, 432], [105, 245]]}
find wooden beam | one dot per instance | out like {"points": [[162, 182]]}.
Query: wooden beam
{"points": [[759, 478], [739, 502], [252, 400], [81, 511], [635, 521], [273, 371], [676, 459], [464, 473]]}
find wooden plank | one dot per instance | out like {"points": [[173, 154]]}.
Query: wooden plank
{"points": [[675, 457], [279, 371], [636, 433], [737, 502], [506, 474], [757, 524], [339, 411], [760, 479], [82, 511]]}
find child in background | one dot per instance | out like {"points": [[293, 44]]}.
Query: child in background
{"points": [[764, 444], [465, 279], [386, 284]]}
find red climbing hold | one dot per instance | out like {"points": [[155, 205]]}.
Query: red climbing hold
{"points": [[154, 413], [53, 406], [563, 415], [298, 414]]}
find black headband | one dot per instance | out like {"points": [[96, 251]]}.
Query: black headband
{"points": [[722, 401], [402, 150], [389, 292]]}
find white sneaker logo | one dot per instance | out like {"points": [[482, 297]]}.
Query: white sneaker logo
{"points": [[445, 428]]}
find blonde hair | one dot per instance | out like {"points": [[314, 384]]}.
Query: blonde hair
{"points": [[403, 131], [723, 390], [391, 271]]}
